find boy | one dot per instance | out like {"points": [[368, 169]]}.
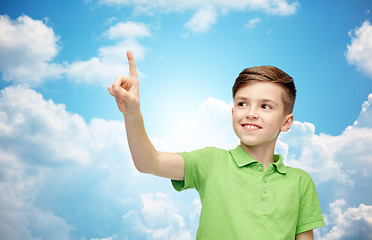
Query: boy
{"points": [[247, 192]]}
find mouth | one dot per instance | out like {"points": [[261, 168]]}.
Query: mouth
{"points": [[250, 126]]}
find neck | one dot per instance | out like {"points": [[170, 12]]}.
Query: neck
{"points": [[263, 154]]}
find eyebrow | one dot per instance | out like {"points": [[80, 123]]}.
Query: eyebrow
{"points": [[241, 98], [264, 100], [267, 100]]}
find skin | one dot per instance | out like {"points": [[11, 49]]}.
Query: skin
{"points": [[258, 118], [263, 111], [308, 235]]}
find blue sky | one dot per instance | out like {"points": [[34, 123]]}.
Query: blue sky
{"points": [[66, 171]]}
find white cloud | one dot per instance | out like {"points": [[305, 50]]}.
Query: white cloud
{"points": [[110, 61], [28, 59], [281, 7], [206, 12], [128, 30], [28, 120], [27, 48], [161, 219], [252, 23], [18, 218], [202, 20], [313, 153], [350, 223], [359, 52], [327, 157], [56, 169], [365, 116]]}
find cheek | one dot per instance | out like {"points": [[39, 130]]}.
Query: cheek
{"points": [[236, 116]]}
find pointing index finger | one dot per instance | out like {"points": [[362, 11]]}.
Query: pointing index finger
{"points": [[132, 64]]}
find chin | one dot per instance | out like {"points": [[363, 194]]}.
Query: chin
{"points": [[248, 143]]}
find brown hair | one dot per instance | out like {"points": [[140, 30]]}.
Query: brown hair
{"points": [[269, 74]]}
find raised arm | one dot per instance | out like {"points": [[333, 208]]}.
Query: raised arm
{"points": [[145, 157]]}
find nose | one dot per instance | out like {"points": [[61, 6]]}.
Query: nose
{"points": [[252, 113]]}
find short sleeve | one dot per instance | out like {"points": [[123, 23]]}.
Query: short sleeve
{"points": [[310, 215], [198, 165]]}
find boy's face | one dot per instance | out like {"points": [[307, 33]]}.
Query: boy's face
{"points": [[258, 114]]}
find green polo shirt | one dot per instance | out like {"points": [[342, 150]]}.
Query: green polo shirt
{"points": [[240, 200]]}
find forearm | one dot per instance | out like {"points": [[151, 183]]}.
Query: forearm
{"points": [[142, 150], [145, 157]]}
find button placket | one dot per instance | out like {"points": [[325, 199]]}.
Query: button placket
{"points": [[265, 189], [264, 193]]}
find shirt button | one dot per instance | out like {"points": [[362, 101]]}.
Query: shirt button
{"points": [[260, 168], [264, 180], [264, 191]]}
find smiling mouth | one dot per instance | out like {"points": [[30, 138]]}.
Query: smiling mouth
{"points": [[250, 126]]}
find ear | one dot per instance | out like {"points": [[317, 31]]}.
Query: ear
{"points": [[287, 123]]}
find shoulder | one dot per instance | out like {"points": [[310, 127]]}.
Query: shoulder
{"points": [[213, 150], [298, 172], [303, 180], [199, 164], [204, 158], [299, 175], [204, 152]]}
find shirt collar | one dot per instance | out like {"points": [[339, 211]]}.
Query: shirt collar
{"points": [[279, 165], [242, 158]]}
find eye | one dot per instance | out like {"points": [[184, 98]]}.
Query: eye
{"points": [[266, 106], [242, 104]]}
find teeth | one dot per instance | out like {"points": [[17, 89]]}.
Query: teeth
{"points": [[251, 126]]}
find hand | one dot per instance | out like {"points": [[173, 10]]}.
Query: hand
{"points": [[125, 89]]}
